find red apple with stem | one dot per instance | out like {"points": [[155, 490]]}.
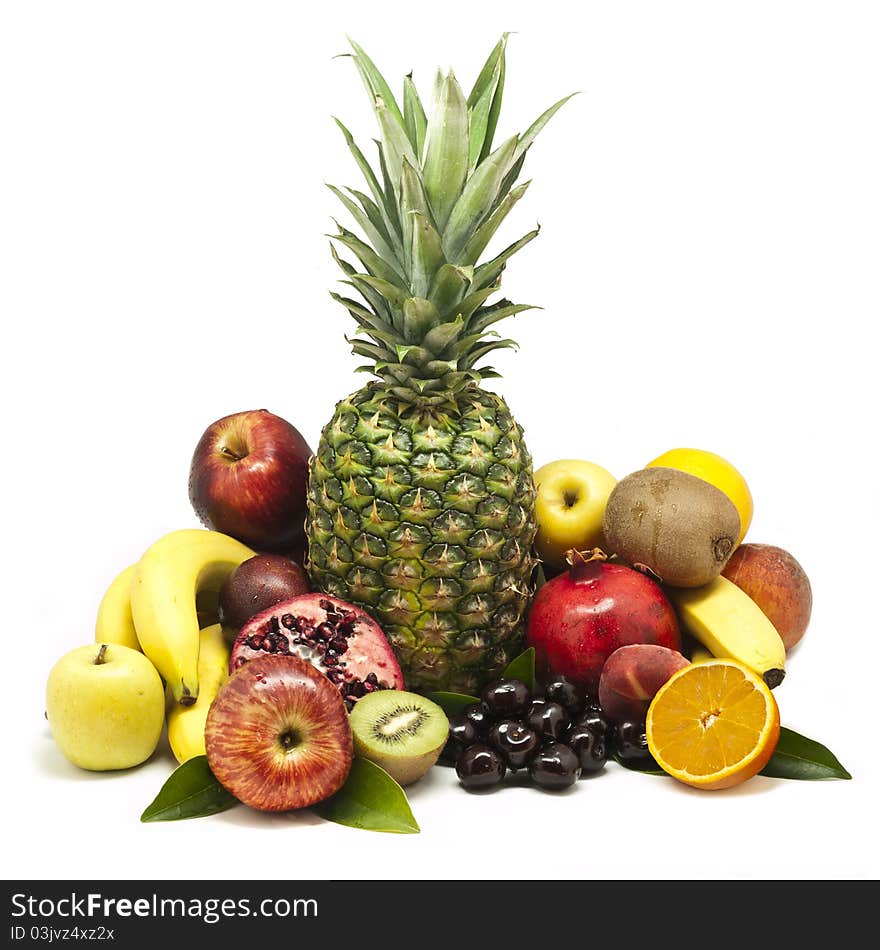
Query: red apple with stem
{"points": [[248, 479]]}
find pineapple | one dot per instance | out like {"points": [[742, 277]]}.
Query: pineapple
{"points": [[421, 498]]}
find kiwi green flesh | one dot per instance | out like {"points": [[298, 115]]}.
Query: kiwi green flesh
{"points": [[403, 733]]}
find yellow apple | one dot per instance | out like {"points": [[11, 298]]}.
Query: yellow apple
{"points": [[572, 494], [106, 706]]}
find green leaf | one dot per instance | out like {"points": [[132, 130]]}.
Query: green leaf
{"points": [[522, 668], [495, 61], [191, 791], [531, 133], [371, 800], [481, 100], [453, 703], [426, 254], [449, 286], [418, 316], [396, 147], [490, 315], [539, 578], [439, 337], [374, 81], [488, 273], [374, 265], [377, 238], [446, 150], [481, 237], [797, 757], [369, 175], [414, 115], [476, 200]]}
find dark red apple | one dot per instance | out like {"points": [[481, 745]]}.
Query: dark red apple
{"points": [[277, 735], [583, 615], [248, 479], [257, 584]]}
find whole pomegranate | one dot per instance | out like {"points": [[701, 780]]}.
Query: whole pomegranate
{"points": [[336, 637], [578, 619]]}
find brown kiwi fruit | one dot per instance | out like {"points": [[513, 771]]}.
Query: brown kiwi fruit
{"points": [[402, 732], [680, 527]]}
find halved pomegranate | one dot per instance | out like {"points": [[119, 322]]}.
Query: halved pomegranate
{"points": [[336, 637]]}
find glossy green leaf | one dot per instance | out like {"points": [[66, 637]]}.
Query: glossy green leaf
{"points": [[522, 668], [452, 703], [797, 757], [191, 791], [370, 800]]}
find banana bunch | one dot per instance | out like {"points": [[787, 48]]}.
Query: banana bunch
{"points": [[154, 604], [728, 623]]}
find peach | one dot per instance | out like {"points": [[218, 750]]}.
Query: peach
{"points": [[632, 675], [777, 584]]}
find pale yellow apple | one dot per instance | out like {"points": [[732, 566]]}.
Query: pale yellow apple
{"points": [[572, 494], [106, 706]]}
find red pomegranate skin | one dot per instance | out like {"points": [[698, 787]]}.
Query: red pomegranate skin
{"points": [[578, 619]]}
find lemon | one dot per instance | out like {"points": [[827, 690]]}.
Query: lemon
{"points": [[717, 471]]}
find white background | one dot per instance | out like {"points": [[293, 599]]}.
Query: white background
{"points": [[708, 273]]}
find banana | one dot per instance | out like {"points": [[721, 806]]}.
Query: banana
{"points": [[114, 623], [700, 654], [730, 624], [186, 724], [166, 582]]}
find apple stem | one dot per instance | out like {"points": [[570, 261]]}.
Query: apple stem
{"points": [[99, 659], [234, 456]]}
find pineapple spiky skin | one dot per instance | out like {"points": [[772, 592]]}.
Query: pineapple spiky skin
{"points": [[426, 519]]}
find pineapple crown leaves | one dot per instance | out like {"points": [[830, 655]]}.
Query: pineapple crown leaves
{"points": [[440, 194]]}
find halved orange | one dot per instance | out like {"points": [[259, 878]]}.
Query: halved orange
{"points": [[713, 724]]}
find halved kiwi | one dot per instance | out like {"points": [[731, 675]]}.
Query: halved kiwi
{"points": [[402, 732]]}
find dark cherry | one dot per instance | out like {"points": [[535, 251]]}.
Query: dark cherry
{"points": [[589, 746], [555, 767], [593, 719], [563, 691], [480, 767], [549, 720], [479, 717], [516, 742], [630, 743], [461, 735], [506, 698]]}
